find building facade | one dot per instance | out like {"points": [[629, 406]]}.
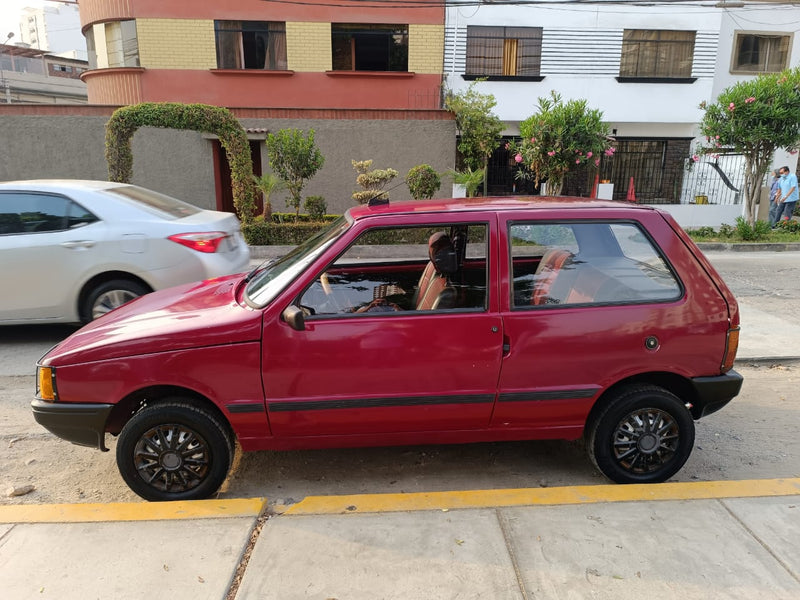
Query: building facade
{"points": [[54, 28], [646, 67], [367, 79], [251, 53], [32, 76]]}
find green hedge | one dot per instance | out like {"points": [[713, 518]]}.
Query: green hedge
{"points": [[285, 229]]}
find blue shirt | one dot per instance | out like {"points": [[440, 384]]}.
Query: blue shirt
{"points": [[788, 182], [773, 189]]}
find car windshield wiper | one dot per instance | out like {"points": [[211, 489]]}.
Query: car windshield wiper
{"points": [[263, 265]]}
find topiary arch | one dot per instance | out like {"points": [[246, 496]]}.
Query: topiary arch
{"points": [[196, 117]]}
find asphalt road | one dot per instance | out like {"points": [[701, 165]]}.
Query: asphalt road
{"points": [[753, 438], [768, 280]]}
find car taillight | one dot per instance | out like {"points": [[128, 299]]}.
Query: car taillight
{"points": [[207, 241], [731, 347]]}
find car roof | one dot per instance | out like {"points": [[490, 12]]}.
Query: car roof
{"points": [[499, 203], [56, 185]]}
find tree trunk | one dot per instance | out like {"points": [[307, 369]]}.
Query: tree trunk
{"points": [[485, 174], [754, 171]]}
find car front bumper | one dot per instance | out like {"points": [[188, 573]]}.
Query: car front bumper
{"points": [[82, 424], [712, 393]]}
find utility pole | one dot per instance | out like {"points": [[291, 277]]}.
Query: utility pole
{"points": [[2, 73]]}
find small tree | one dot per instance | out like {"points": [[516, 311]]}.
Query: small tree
{"points": [[754, 118], [559, 137], [423, 182], [479, 128], [295, 159], [268, 183], [316, 207], [372, 181]]}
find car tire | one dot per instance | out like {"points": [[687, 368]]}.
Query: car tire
{"points": [[174, 451], [110, 295], [644, 434]]}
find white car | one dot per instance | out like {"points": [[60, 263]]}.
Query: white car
{"points": [[70, 250]]}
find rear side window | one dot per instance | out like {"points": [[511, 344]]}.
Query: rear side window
{"points": [[165, 205], [587, 263], [22, 212]]}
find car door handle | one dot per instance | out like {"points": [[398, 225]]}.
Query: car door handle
{"points": [[79, 244]]}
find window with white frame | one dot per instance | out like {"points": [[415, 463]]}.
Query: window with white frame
{"points": [[760, 52], [251, 45]]}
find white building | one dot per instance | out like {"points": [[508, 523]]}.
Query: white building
{"points": [[646, 67], [55, 28]]}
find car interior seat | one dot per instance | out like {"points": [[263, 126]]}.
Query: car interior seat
{"points": [[546, 274], [435, 290]]}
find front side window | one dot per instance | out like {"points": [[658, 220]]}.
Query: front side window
{"points": [[760, 52], [504, 51], [399, 270], [251, 45], [664, 54], [365, 47], [557, 264]]}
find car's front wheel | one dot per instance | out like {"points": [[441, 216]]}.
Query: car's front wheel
{"points": [[110, 295], [174, 451], [644, 434]]}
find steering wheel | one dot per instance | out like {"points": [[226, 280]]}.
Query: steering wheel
{"points": [[335, 298]]}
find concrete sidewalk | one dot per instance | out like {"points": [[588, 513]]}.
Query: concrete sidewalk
{"points": [[689, 540]]}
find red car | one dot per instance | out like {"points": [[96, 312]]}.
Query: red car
{"points": [[414, 323]]}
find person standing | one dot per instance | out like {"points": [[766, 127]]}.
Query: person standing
{"points": [[775, 207], [787, 193]]}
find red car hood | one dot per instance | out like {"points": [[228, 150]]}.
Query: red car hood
{"points": [[187, 316]]}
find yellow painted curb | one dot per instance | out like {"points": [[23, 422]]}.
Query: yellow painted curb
{"points": [[144, 511], [374, 503]]}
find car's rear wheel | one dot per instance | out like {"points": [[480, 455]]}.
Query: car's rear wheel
{"points": [[644, 434], [110, 295], [174, 451]]}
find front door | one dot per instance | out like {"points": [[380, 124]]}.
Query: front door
{"points": [[375, 357]]}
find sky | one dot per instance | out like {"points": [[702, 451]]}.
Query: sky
{"points": [[9, 16]]}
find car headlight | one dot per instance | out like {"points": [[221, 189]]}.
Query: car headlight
{"points": [[46, 383]]}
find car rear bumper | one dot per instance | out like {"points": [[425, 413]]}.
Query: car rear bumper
{"points": [[712, 393], [82, 424]]}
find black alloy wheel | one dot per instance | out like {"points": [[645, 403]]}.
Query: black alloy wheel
{"points": [[644, 435], [174, 451]]}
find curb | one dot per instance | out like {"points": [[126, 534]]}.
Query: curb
{"points": [[384, 503], [754, 247], [583, 494]]}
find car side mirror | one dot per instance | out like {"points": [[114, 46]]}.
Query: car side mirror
{"points": [[295, 318]]}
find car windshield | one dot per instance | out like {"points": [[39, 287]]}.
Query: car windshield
{"points": [[277, 275], [165, 205]]}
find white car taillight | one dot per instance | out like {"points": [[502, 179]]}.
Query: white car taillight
{"points": [[206, 241]]}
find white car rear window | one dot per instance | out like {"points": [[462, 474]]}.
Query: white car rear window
{"points": [[177, 209]]}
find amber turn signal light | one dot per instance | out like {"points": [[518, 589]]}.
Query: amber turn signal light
{"points": [[731, 347], [45, 390]]}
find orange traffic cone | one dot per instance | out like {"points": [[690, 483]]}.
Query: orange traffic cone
{"points": [[594, 187], [631, 192]]}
